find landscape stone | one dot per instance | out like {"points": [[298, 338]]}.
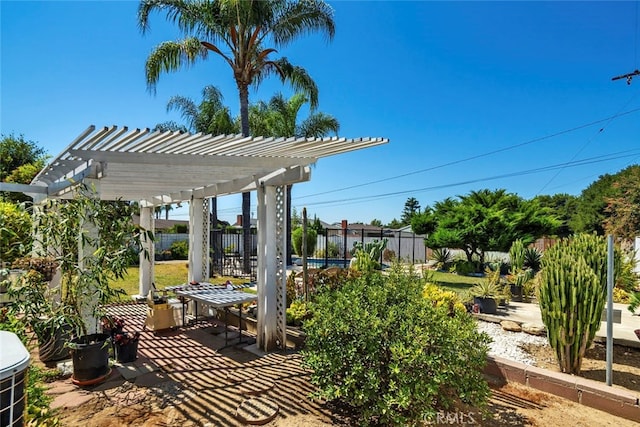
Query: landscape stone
{"points": [[509, 325], [534, 329]]}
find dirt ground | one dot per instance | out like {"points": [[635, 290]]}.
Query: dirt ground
{"points": [[171, 403]]}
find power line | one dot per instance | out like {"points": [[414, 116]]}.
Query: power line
{"points": [[583, 162], [455, 162], [588, 142]]}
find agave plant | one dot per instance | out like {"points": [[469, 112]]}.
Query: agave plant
{"points": [[442, 258]]}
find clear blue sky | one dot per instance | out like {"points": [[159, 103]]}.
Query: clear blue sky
{"points": [[444, 81]]}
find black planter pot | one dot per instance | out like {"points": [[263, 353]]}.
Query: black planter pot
{"points": [[90, 355], [127, 352], [516, 293], [51, 344], [487, 305]]}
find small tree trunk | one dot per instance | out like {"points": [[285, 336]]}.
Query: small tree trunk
{"points": [[243, 89]]}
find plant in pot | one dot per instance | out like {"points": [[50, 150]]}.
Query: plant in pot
{"points": [[125, 344], [487, 291], [91, 241]]}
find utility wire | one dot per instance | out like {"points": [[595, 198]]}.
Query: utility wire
{"points": [[587, 161], [589, 141], [455, 162]]}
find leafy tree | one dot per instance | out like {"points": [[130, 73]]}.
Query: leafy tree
{"points": [[376, 222], [239, 31], [395, 224], [21, 162], [564, 207], [623, 210], [411, 208], [483, 221], [279, 118], [15, 231], [591, 210]]}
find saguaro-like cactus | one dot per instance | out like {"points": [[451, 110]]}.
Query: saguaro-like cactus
{"points": [[572, 296]]}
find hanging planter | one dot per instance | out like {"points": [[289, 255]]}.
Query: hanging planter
{"points": [[90, 354]]}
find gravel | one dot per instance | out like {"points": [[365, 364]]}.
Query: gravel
{"points": [[508, 344]]}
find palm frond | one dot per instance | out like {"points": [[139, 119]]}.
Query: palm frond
{"points": [[318, 125], [300, 18], [299, 79], [171, 56]]}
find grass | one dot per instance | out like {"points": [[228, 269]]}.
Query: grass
{"points": [[454, 282], [166, 274]]}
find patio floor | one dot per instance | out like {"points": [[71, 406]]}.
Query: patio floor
{"points": [[186, 369]]}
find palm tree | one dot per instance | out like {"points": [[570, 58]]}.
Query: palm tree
{"points": [[280, 118], [210, 116], [238, 31]]}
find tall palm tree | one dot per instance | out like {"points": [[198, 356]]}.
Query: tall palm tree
{"points": [[210, 116], [239, 31], [280, 118]]}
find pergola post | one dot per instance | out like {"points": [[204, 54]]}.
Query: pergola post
{"points": [[147, 255], [272, 277], [198, 240]]}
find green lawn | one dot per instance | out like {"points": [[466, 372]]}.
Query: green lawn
{"points": [[454, 282], [170, 274]]}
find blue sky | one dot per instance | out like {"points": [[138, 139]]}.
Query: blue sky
{"points": [[471, 95]]}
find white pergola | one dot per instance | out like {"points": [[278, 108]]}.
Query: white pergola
{"points": [[159, 168]]}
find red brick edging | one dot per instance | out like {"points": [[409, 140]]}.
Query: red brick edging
{"points": [[616, 401]]}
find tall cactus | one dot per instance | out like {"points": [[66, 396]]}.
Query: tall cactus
{"points": [[572, 296]]}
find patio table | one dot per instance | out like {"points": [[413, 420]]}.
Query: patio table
{"points": [[216, 296]]}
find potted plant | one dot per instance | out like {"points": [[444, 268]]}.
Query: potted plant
{"points": [[485, 292], [91, 241], [125, 345]]}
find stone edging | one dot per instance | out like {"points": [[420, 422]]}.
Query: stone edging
{"points": [[620, 402]]}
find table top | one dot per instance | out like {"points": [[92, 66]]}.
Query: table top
{"points": [[214, 295]]}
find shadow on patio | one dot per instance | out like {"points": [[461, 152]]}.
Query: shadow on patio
{"points": [[183, 368]]}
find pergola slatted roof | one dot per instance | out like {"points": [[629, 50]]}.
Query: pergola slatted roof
{"points": [[165, 167]]}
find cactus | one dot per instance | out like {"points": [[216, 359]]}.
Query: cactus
{"points": [[372, 249], [572, 295], [516, 254]]}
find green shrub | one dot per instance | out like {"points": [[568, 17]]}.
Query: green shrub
{"points": [[15, 231], [392, 356], [297, 313], [464, 267], [331, 251], [296, 241], [180, 249]]}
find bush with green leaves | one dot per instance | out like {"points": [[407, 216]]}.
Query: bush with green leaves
{"points": [[180, 249], [376, 345], [15, 231], [296, 241]]}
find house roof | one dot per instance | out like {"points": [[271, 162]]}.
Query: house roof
{"points": [[157, 168]]}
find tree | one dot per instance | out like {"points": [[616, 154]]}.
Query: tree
{"points": [[622, 210], [590, 209], [483, 221], [411, 207], [21, 162], [376, 222], [564, 206], [239, 31], [280, 118], [210, 116]]}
